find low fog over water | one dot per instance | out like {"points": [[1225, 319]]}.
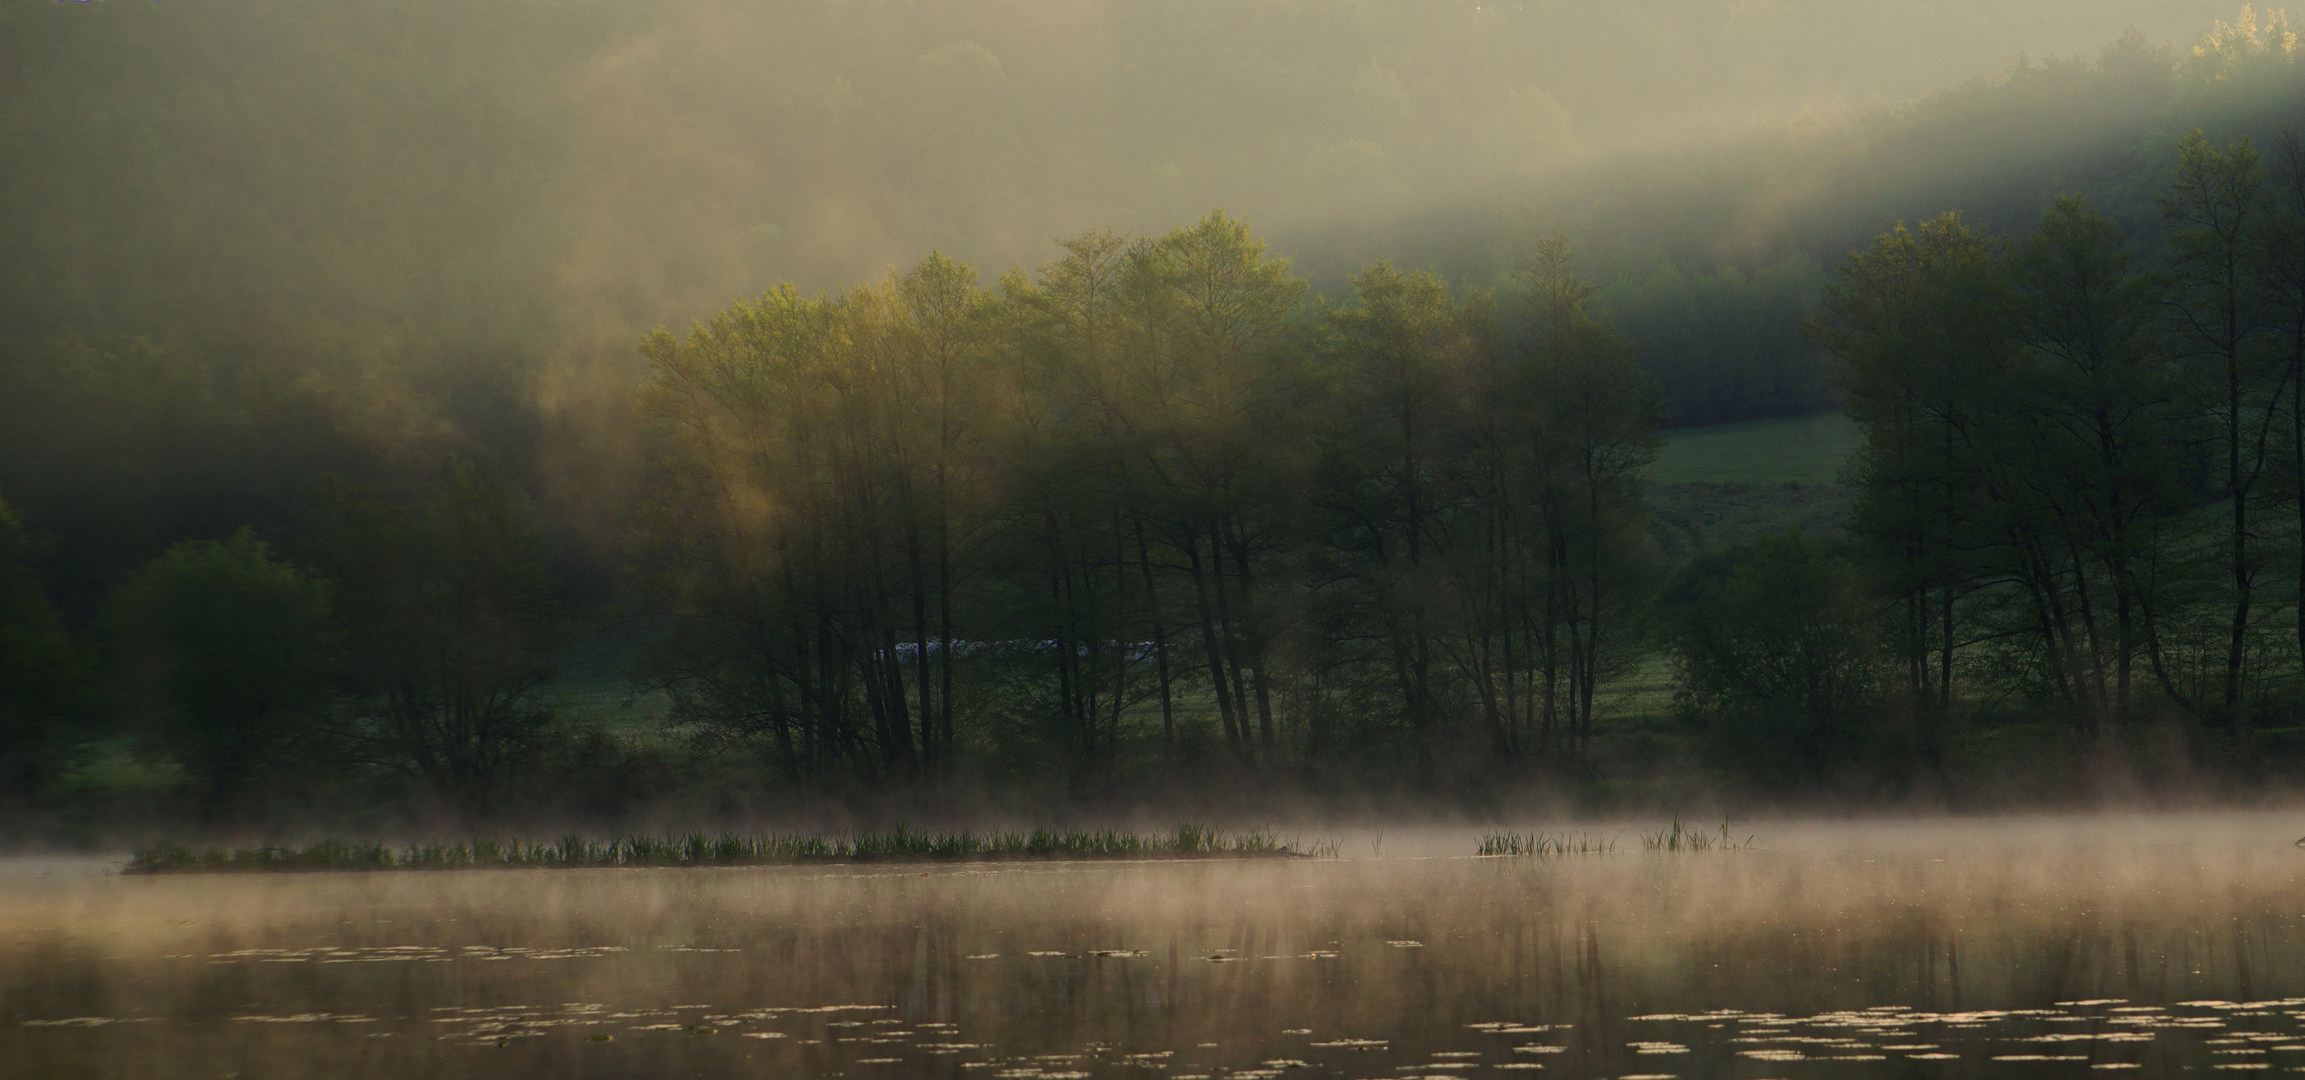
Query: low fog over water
{"points": [[2018, 946]]}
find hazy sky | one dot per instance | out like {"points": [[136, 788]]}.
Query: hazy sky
{"points": [[654, 159]]}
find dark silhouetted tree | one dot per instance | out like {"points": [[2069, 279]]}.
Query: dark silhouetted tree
{"points": [[228, 659]]}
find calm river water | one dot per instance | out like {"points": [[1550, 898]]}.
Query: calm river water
{"points": [[2043, 947]]}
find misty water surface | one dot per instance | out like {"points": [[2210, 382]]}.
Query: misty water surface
{"points": [[2135, 946]]}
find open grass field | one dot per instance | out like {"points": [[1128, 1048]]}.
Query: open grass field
{"points": [[1790, 449], [1731, 483]]}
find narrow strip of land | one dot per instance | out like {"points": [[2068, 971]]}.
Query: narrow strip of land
{"points": [[897, 844]]}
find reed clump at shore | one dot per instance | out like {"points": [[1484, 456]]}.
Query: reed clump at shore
{"points": [[1545, 845], [1680, 839], [898, 844], [1553, 845]]}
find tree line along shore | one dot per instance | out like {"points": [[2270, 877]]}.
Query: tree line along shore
{"points": [[1156, 515]]}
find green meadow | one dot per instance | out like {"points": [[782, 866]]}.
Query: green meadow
{"points": [[1782, 450], [1730, 483]]}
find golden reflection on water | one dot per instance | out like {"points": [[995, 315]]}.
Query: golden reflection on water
{"points": [[2076, 948]]}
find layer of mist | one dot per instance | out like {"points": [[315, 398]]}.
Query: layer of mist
{"points": [[374, 236], [2154, 943]]}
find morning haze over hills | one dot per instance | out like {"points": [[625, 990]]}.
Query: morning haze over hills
{"points": [[613, 410]]}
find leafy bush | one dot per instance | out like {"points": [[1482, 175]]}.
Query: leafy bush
{"points": [[1776, 652]]}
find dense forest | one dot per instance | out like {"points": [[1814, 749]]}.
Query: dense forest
{"points": [[343, 479]]}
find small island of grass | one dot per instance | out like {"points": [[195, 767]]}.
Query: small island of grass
{"points": [[898, 844]]}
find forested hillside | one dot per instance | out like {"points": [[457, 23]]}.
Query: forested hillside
{"points": [[343, 466], [360, 238]]}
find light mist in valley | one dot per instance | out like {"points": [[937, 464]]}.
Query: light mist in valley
{"points": [[252, 243], [453, 223]]}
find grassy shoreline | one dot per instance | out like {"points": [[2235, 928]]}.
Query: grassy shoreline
{"points": [[899, 844]]}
